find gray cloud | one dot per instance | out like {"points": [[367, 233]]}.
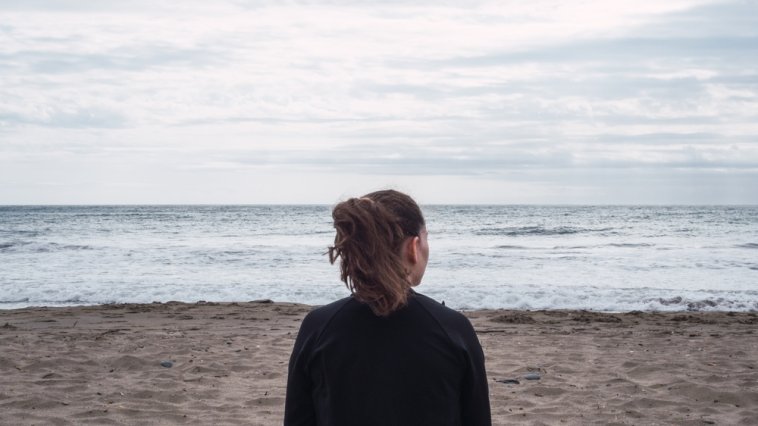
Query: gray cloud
{"points": [[705, 50], [122, 59], [74, 5], [77, 119], [732, 17], [372, 91], [486, 159]]}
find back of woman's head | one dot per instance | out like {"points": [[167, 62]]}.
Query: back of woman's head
{"points": [[370, 234]]}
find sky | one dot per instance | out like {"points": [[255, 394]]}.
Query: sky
{"points": [[505, 102]]}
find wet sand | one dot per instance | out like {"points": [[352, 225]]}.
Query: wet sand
{"points": [[227, 364]]}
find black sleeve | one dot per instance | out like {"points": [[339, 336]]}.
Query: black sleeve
{"points": [[475, 396], [298, 405]]}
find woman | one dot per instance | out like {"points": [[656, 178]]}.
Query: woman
{"points": [[386, 355]]}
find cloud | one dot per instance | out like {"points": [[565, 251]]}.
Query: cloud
{"points": [[399, 90], [705, 49], [132, 60], [76, 118]]}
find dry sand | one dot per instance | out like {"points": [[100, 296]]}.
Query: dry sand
{"points": [[102, 365]]}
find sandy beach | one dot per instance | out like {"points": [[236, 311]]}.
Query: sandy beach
{"points": [[209, 363]]}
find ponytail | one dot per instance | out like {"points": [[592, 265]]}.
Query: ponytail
{"points": [[370, 232]]}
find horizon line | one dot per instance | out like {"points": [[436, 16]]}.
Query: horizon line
{"points": [[421, 204]]}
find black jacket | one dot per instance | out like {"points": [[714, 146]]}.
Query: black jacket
{"points": [[421, 365]]}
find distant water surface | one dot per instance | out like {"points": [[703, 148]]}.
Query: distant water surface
{"points": [[524, 257]]}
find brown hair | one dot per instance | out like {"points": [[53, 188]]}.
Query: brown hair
{"points": [[370, 234]]}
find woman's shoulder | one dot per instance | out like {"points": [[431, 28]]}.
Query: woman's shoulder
{"points": [[325, 312], [450, 319]]}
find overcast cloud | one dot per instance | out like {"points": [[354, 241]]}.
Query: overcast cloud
{"points": [[305, 102]]}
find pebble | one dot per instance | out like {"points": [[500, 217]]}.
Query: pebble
{"points": [[509, 381], [532, 376], [167, 364]]}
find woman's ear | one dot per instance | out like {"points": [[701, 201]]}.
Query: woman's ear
{"points": [[411, 249]]}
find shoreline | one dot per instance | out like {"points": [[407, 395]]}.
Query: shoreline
{"points": [[101, 364], [694, 307]]}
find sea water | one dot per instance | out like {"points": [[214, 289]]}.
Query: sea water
{"points": [[607, 258]]}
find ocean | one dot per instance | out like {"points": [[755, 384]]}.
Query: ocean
{"points": [[604, 258]]}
